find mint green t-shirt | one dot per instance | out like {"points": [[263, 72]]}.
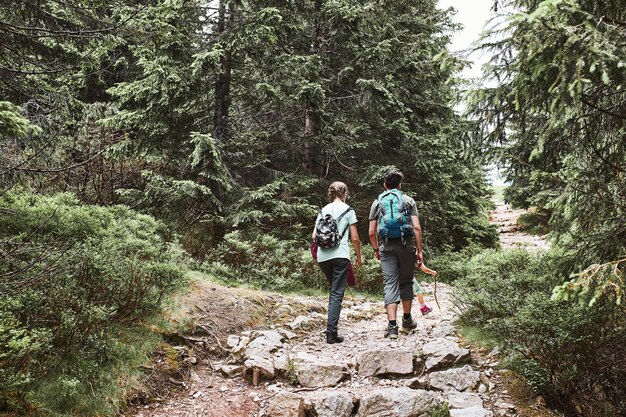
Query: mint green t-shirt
{"points": [[335, 209]]}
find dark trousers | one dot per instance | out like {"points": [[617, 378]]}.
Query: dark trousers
{"points": [[336, 271]]}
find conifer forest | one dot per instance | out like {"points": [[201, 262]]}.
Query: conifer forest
{"points": [[150, 149]]}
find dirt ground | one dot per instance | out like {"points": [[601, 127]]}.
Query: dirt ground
{"points": [[185, 382]]}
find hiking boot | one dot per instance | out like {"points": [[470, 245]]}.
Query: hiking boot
{"points": [[392, 331], [425, 310], [333, 337], [408, 325]]}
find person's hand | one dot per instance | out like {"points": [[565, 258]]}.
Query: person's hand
{"points": [[377, 254], [419, 259], [358, 262]]}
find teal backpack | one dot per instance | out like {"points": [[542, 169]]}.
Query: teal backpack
{"points": [[394, 216]]}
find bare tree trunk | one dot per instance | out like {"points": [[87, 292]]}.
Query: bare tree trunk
{"points": [[221, 122], [310, 114]]}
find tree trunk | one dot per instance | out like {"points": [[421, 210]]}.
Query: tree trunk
{"points": [[221, 122], [310, 115]]}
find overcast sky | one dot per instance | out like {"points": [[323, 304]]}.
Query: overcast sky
{"points": [[473, 15]]}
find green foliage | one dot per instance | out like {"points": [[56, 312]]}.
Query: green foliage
{"points": [[557, 119], [565, 351], [595, 283], [535, 223], [271, 263], [327, 91], [267, 262], [76, 282], [441, 411], [14, 124], [451, 266], [498, 192]]}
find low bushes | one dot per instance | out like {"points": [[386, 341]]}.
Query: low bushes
{"points": [[572, 354], [535, 223], [76, 282], [267, 262]]}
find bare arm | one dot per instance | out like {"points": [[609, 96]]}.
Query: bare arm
{"points": [[417, 232], [373, 237], [354, 234]]}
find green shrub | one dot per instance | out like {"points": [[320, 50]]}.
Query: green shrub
{"points": [[535, 223], [267, 262], [451, 266], [565, 351], [75, 282]]}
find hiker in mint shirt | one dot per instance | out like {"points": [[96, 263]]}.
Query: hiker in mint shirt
{"points": [[396, 237], [335, 261]]}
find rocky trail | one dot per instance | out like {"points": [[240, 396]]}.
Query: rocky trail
{"points": [[286, 369], [511, 235]]}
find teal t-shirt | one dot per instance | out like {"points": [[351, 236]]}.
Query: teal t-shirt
{"points": [[342, 250]]}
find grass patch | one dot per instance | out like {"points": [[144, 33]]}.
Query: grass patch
{"points": [[477, 336], [225, 280], [79, 387], [440, 411], [498, 192], [535, 223]]}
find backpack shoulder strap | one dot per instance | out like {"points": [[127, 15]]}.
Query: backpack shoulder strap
{"points": [[348, 210], [345, 229]]}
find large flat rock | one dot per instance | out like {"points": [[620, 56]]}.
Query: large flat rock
{"points": [[464, 400], [316, 374], [471, 412], [455, 379], [385, 362], [443, 353], [264, 365], [332, 404], [262, 345], [286, 404], [397, 402]]}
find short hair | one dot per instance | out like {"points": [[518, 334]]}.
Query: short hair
{"points": [[337, 189], [393, 179]]}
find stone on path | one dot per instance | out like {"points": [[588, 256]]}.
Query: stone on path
{"points": [[272, 335], [385, 362], [464, 400], [241, 345], [231, 370], [443, 330], [281, 362], [471, 412], [263, 364], [232, 341], [417, 383], [333, 404], [286, 404], [286, 333], [397, 402], [455, 379], [262, 346], [443, 353], [316, 374], [307, 322]]}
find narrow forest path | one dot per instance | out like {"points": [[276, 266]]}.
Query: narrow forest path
{"points": [[367, 375], [287, 369], [511, 236]]}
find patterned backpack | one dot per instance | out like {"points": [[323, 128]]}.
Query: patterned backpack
{"points": [[327, 234]]}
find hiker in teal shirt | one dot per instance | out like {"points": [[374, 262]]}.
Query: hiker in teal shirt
{"points": [[396, 237], [335, 261]]}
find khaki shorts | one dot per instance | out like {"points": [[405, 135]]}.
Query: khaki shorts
{"points": [[398, 265]]}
